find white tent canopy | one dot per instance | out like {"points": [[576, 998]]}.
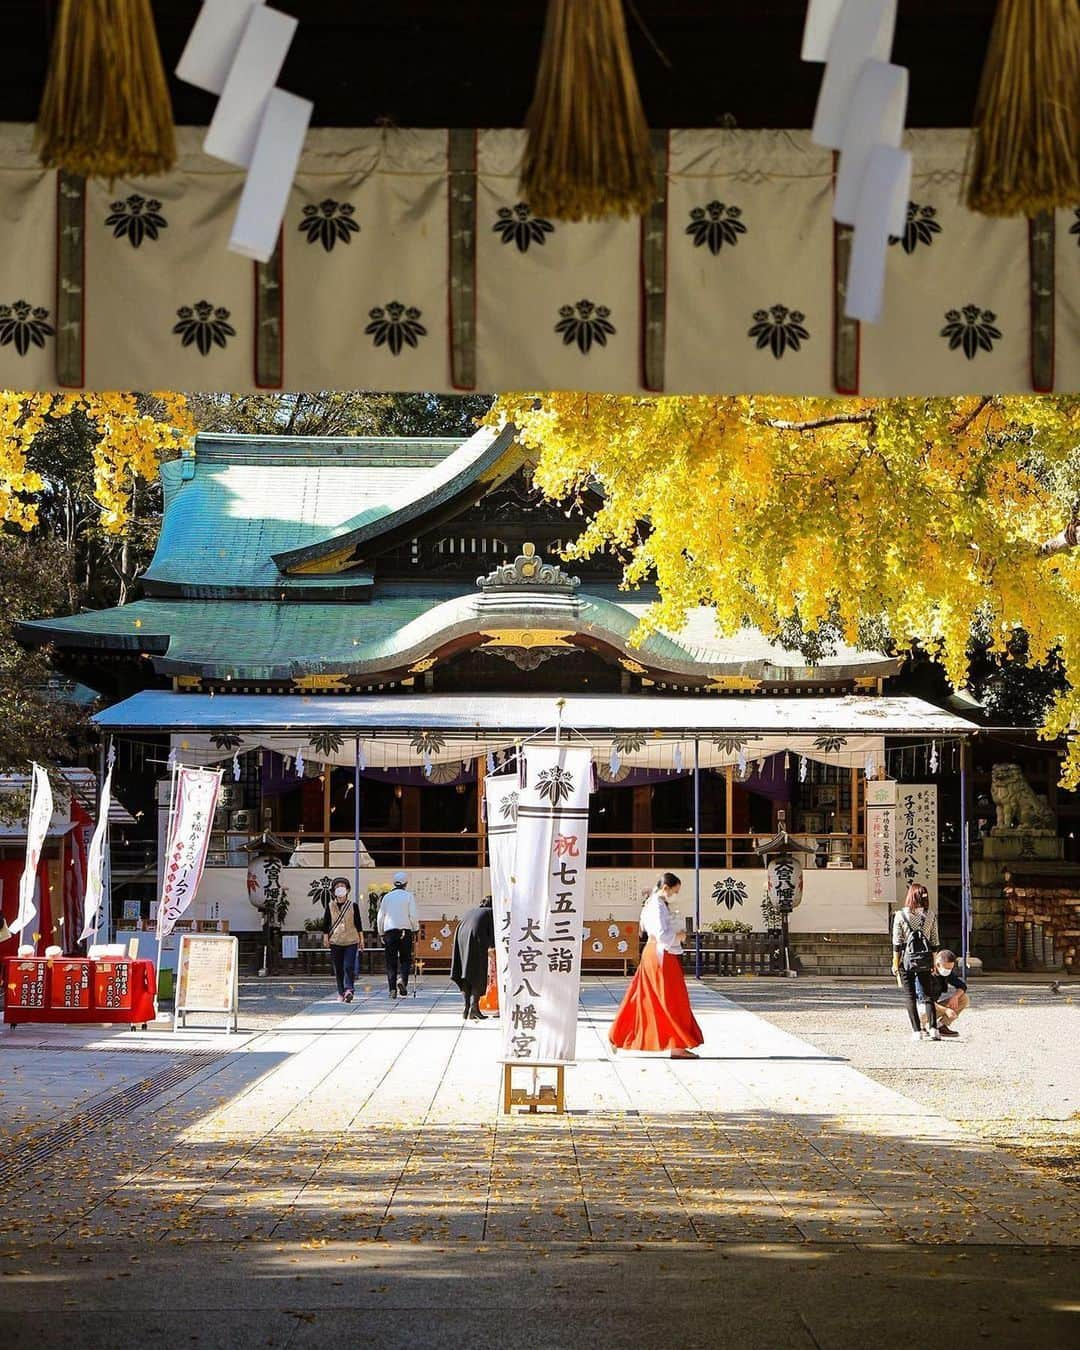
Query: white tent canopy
{"points": [[429, 729]]}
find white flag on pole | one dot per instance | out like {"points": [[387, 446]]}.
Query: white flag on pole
{"points": [[501, 799], [547, 905], [37, 827], [189, 838], [95, 862]]}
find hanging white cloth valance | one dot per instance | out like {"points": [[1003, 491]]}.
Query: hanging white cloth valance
{"points": [[408, 261]]}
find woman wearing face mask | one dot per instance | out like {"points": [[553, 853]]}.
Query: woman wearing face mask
{"points": [[655, 1014], [344, 935]]}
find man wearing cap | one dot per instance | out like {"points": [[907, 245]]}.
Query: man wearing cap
{"points": [[397, 922]]}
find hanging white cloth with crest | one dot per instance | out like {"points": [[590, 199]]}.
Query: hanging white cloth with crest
{"points": [[547, 905]]}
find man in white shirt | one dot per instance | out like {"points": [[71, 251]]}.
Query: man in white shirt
{"points": [[397, 923]]}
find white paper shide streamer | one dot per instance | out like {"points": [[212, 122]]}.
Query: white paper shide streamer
{"points": [[861, 112], [37, 827], [547, 906], [236, 50], [95, 862]]}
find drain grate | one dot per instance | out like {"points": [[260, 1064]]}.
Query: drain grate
{"points": [[102, 1110]]}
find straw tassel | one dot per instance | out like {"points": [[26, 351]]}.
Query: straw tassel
{"points": [[588, 154], [106, 111], [1025, 152]]}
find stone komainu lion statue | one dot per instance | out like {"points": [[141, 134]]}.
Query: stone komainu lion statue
{"points": [[1018, 806]]}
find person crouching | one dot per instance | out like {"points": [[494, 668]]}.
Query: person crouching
{"points": [[950, 991]]}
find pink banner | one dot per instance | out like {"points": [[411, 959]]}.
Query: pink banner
{"points": [[192, 820]]}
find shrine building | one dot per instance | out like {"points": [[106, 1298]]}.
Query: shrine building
{"points": [[358, 630]]}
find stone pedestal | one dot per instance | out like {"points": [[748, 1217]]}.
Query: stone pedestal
{"points": [[1002, 848]]}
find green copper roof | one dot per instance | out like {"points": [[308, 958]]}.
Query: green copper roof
{"points": [[244, 509], [243, 499], [473, 468], [403, 623]]}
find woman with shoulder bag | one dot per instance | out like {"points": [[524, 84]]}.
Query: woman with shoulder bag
{"points": [[344, 935], [914, 941]]}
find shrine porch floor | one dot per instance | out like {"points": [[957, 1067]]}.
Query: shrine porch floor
{"points": [[346, 1174]]}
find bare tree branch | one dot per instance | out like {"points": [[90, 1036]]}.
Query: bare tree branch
{"points": [[839, 420], [965, 422], [1069, 538]]}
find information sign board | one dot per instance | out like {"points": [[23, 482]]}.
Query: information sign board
{"points": [[207, 977]]}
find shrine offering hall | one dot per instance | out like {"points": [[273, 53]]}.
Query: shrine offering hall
{"points": [[360, 631]]}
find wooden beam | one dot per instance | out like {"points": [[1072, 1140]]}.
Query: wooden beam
{"points": [[729, 815], [388, 59]]}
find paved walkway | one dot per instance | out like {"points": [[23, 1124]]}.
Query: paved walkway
{"points": [[350, 1131], [380, 1120]]}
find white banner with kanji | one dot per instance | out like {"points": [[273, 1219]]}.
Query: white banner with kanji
{"points": [[194, 804], [547, 905], [917, 838], [501, 801], [95, 866], [881, 840], [37, 827]]}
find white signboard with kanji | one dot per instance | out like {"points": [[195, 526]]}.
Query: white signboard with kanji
{"points": [[881, 840], [917, 838]]}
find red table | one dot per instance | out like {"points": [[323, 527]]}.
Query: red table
{"points": [[73, 990]]}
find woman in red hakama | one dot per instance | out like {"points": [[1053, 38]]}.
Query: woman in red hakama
{"points": [[655, 1014]]}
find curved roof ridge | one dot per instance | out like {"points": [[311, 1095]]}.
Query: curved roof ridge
{"points": [[478, 464]]}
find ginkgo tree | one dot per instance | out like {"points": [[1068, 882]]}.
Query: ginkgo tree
{"points": [[925, 519], [132, 432]]}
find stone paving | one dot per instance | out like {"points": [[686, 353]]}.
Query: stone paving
{"points": [[378, 1121]]}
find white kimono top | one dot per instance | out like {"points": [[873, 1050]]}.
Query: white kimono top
{"points": [[659, 924]]}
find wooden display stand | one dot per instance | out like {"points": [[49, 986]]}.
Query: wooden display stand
{"points": [[609, 943], [433, 944], [542, 1094]]}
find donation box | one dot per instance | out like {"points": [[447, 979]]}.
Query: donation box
{"points": [[26, 984], [70, 984], [112, 985]]}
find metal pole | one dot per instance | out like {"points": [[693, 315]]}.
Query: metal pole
{"points": [[106, 897], [965, 863], [697, 863], [356, 827]]}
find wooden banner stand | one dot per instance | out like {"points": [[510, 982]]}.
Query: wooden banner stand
{"points": [[540, 1094], [207, 978]]}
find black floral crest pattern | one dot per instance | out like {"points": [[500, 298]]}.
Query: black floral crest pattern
{"points": [[427, 742], [628, 741], [830, 744], [731, 745], [203, 326], [321, 890], [971, 329], [395, 326], [555, 784], [518, 226], [730, 892], [715, 225], [327, 742], [136, 218], [922, 225], [585, 323], [1075, 228], [508, 806], [226, 740], [24, 326], [779, 329], [329, 223]]}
